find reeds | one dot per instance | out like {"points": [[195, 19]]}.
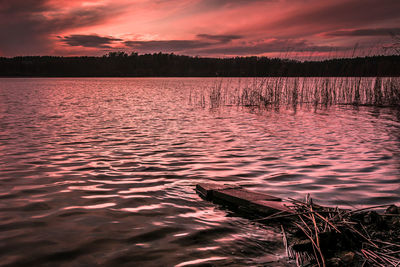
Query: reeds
{"points": [[299, 91], [322, 236]]}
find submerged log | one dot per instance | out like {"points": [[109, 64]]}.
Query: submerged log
{"points": [[243, 199]]}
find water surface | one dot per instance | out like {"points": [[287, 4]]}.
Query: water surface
{"points": [[102, 171]]}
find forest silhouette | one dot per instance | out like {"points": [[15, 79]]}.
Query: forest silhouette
{"points": [[121, 64]]}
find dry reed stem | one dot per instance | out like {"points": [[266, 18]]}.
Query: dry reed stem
{"points": [[285, 243], [328, 222]]}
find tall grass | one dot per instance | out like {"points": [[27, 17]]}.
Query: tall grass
{"points": [[299, 91]]}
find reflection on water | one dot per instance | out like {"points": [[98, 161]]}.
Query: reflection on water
{"points": [[102, 171]]}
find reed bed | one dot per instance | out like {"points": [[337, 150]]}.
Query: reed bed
{"points": [[299, 91], [321, 236]]}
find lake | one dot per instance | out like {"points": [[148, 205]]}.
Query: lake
{"points": [[101, 171]]}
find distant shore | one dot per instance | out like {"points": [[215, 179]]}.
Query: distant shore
{"points": [[171, 65]]}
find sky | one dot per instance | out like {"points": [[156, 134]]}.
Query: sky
{"points": [[205, 28]]}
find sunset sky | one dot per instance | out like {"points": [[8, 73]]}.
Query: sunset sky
{"points": [[217, 28]]}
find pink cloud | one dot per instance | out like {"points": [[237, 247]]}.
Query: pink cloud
{"points": [[194, 27]]}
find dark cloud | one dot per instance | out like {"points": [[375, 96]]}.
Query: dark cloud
{"points": [[89, 40], [364, 32], [201, 47], [81, 17], [229, 3], [21, 7], [279, 46], [213, 4], [202, 41], [167, 45], [341, 14], [219, 38], [27, 26]]}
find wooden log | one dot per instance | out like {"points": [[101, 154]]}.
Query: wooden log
{"points": [[207, 190], [244, 199]]}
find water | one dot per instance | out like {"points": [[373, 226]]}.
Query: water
{"points": [[102, 171]]}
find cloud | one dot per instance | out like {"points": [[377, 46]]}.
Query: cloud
{"points": [[273, 46], [219, 38], [202, 41], [28, 26], [21, 7], [229, 3], [208, 46], [89, 40], [98, 41], [167, 45], [202, 5], [364, 32], [340, 13]]}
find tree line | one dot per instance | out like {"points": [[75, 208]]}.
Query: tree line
{"points": [[121, 64]]}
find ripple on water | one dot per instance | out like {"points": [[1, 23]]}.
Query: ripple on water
{"points": [[102, 171]]}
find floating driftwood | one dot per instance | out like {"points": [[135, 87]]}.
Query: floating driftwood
{"points": [[316, 235]]}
